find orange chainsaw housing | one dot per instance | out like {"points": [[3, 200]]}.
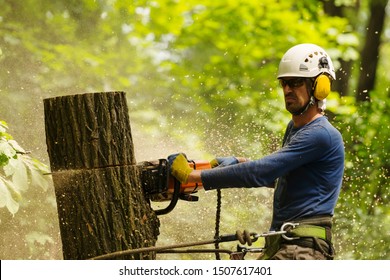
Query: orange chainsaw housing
{"points": [[159, 185], [190, 188]]}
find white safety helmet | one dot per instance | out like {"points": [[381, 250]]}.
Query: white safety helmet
{"points": [[306, 60]]}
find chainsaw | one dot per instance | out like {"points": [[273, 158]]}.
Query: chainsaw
{"points": [[159, 185]]}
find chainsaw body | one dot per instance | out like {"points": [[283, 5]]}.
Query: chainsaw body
{"points": [[159, 185]]}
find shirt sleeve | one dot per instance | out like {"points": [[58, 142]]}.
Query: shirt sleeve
{"points": [[305, 146]]}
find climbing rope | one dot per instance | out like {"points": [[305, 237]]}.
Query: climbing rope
{"points": [[169, 248], [217, 223], [150, 249], [244, 237]]}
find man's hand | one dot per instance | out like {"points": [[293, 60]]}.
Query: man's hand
{"points": [[179, 167], [223, 161]]}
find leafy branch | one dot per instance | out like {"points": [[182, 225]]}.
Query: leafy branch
{"points": [[18, 171]]}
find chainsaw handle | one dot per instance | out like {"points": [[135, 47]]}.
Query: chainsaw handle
{"points": [[173, 202]]}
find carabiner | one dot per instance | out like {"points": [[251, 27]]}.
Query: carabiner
{"points": [[283, 229]]}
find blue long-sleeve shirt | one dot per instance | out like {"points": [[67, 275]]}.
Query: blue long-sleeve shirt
{"points": [[309, 168]]}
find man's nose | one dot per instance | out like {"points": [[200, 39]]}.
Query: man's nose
{"points": [[287, 90]]}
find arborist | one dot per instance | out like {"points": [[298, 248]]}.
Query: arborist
{"points": [[306, 172]]}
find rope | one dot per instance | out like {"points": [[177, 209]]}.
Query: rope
{"points": [[191, 251], [243, 237], [217, 223], [150, 249]]}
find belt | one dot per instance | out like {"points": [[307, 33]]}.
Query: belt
{"points": [[314, 232], [317, 227], [305, 234], [308, 231]]}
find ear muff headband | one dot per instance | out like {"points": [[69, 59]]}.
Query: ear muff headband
{"points": [[321, 87]]}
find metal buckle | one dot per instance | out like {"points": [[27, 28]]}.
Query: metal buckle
{"points": [[285, 230]]}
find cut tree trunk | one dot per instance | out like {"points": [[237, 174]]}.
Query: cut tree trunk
{"points": [[101, 205]]}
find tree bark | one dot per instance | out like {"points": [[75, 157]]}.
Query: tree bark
{"points": [[101, 205]]}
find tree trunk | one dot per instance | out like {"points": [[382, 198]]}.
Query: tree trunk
{"points": [[370, 52], [100, 202], [343, 74]]}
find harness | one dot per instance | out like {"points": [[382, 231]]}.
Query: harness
{"points": [[312, 232]]}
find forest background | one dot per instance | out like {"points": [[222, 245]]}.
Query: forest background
{"points": [[200, 78]]}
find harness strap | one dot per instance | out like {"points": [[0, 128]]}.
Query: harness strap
{"points": [[314, 232], [313, 236], [309, 231]]}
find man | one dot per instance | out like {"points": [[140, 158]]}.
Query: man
{"points": [[308, 169]]}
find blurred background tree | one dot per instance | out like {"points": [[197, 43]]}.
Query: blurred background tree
{"points": [[200, 78]]}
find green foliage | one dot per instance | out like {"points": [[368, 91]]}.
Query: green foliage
{"points": [[199, 76], [223, 57], [366, 180], [18, 171]]}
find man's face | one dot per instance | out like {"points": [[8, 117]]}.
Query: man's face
{"points": [[295, 93]]}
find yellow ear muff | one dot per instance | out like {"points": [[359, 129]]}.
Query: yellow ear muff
{"points": [[321, 87]]}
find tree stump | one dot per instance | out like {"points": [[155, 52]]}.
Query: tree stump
{"points": [[101, 205]]}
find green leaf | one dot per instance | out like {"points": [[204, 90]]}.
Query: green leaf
{"points": [[3, 134], [37, 179], [19, 176], [3, 159], [3, 126], [19, 171], [3, 193], [6, 197], [16, 146], [38, 173], [6, 152], [6, 149]]}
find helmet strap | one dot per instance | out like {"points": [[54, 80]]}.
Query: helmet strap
{"points": [[303, 110]]}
